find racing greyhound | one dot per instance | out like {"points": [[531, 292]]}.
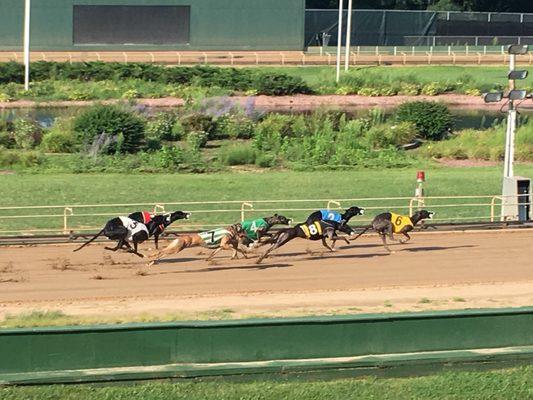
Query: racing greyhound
{"points": [[218, 239], [387, 224], [318, 230], [157, 223], [124, 230], [257, 229], [330, 215]]}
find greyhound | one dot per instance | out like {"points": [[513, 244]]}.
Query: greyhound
{"points": [[387, 224], [124, 230], [157, 224], [318, 230], [257, 229], [218, 239], [329, 215]]}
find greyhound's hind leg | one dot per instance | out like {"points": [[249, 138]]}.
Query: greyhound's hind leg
{"points": [[117, 247], [384, 239], [175, 247]]}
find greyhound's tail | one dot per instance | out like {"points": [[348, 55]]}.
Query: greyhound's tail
{"points": [[90, 241], [365, 230]]}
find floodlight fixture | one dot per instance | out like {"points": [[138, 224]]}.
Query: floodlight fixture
{"points": [[517, 94], [517, 49], [520, 74], [493, 97]]}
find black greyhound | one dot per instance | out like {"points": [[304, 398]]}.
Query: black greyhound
{"points": [[124, 230], [257, 229], [318, 230], [157, 223], [387, 224], [329, 215]]}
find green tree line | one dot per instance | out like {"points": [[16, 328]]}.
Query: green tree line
{"points": [[448, 5]]}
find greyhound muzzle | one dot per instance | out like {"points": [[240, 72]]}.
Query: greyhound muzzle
{"points": [[290, 221], [362, 211], [187, 215], [431, 214]]}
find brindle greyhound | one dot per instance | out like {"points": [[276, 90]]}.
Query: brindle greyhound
{"points": [[318, 230], [387, 224], [259, 229], [219, 239]]}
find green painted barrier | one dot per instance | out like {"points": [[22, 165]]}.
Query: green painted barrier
{"points": [[56, 350]]}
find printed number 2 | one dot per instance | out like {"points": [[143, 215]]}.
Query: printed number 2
{"points": [[331, 217], [398, 221], [313, 230]]}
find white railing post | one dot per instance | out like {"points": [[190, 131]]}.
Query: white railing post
{"points": [[246, 206], [67, 212], [159, 209]]}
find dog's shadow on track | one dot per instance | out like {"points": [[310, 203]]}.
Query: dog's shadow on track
{"points": [[436, 248], [226, 268]]}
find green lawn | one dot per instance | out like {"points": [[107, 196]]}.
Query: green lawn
{"points": [[503, 384], [64, 189], [480, 76]]}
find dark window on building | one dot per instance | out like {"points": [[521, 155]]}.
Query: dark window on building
{"points": [[131, 24]]}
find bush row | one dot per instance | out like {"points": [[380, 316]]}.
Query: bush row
{"points": [[239, 80]]}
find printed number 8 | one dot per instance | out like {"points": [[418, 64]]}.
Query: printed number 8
{"points": [[398, 221], [313, 230]]}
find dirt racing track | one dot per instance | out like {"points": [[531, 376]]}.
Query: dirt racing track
{"points": [[435, 271]]}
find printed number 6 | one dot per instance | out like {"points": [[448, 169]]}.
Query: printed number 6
{"points": [[313, 230], [398, 221]]}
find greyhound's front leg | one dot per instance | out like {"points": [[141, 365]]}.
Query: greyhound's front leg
{"points": [[335, 238], [156, 239], [134, 251], [407, 236], [327, 246]]}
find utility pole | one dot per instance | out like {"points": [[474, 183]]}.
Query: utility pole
{"points": [[348, 35], [339, 41], [516, 191], [27, 13]]}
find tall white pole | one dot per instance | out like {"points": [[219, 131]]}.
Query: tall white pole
{"points": [[339, 41], [508, 171], [348, 35], [27, 13]]}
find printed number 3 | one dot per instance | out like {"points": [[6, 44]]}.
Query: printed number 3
{"points": [[313, 230], [398, 221]]}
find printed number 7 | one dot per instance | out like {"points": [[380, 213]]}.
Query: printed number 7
{"points": [[212, 236]]}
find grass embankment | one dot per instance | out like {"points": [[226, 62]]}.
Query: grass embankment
{"points": [[69, 189], [513, 383]]}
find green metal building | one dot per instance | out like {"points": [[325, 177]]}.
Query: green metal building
{"points": [[86, 25]]}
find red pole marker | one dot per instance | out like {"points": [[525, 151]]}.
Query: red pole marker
{"points": [[421, 176]]}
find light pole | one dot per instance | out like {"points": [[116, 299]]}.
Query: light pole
{"points": [[516, 191], [27, 13], [348, 35], [339, 41]]}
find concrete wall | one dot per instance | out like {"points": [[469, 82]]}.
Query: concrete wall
{"points": [[215, 24]]}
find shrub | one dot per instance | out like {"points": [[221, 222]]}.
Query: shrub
{"points": [[238, 154], [162, 126], [279, 85], [27, 134], [60, 138], [433, 120], [235, 126], [198, 122], [123, 129], [265, 160], [13, 158], [196, 140]]}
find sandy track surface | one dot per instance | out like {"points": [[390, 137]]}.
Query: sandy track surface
{"points": [[435, 271], [297, 102]]}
